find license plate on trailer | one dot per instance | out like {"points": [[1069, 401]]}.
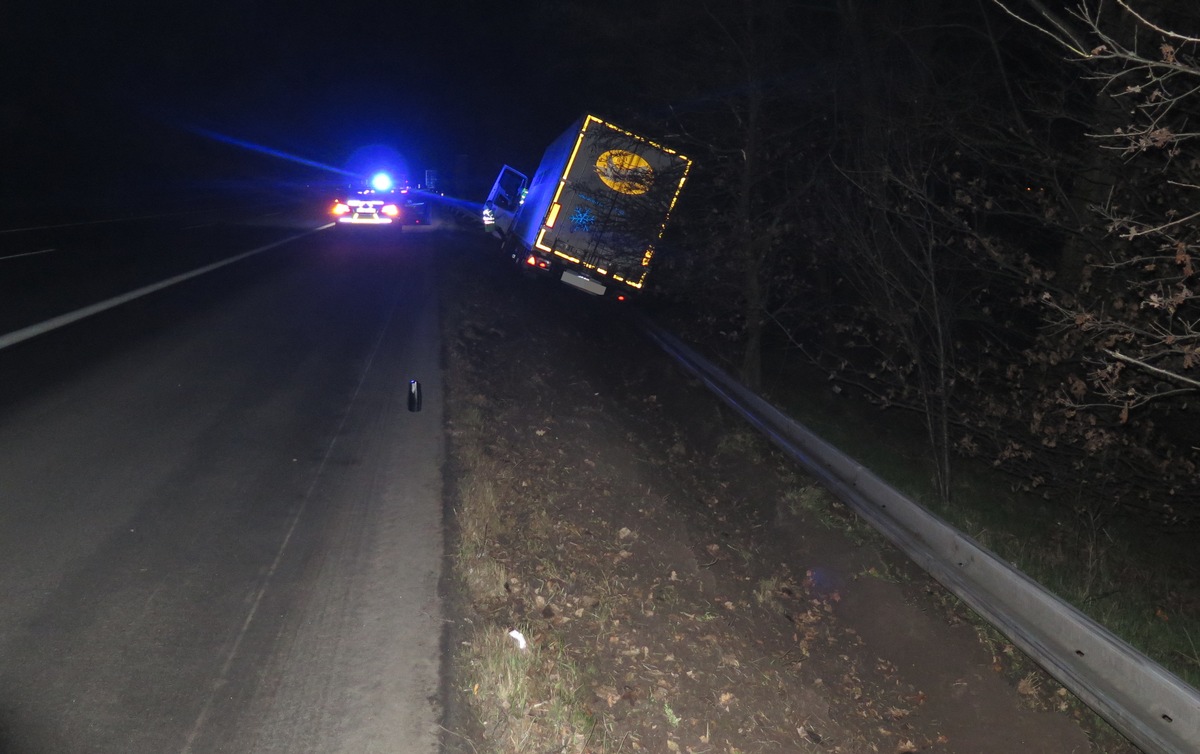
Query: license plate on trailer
{"points": [[583, 283]]}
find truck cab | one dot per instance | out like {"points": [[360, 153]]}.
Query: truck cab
{"points": [[503, 201]]}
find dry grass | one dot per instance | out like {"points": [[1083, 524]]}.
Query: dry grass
{"points": [[653, 621], [527, 699]]}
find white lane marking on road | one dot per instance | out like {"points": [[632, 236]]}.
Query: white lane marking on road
{"points": [[105, 221], [41, 328], [223, 676], [27, 254]]}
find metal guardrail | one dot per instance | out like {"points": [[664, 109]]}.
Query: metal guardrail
{"points": [[1153, 708]]}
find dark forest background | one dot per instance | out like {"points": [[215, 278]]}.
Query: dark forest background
{"points": [[983, 213]]}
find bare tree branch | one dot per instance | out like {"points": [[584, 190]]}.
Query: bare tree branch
{"points": [[1159, 29], [1064, 36], [1164, 373]]}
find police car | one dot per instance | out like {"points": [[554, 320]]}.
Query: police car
{"points": [[379, 204]]}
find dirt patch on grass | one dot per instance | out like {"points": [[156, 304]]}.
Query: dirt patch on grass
{"points": [[679, 584]]}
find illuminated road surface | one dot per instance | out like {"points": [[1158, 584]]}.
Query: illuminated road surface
{"points": [[220, 524]]}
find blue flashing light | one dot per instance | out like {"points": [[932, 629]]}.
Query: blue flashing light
{"points": [[267, 150], [381, 182]]}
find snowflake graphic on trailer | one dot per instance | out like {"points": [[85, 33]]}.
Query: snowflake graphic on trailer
{"points": [[582, 220]]}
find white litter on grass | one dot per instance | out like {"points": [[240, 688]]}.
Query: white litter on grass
{"points": [[518, 638]]}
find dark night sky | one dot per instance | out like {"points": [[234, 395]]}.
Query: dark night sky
{"points": [[107, 95]]}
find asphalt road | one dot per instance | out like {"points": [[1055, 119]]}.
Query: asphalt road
{"points": [[220, 523]]}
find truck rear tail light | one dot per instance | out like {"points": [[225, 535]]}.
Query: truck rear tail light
{"points": [[340, 208], [391, 210], [535, 261]]}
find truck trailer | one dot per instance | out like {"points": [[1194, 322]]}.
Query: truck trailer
{"points": [[594, 210]]}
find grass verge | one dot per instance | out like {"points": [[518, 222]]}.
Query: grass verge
{"points": [[1125, 580]]}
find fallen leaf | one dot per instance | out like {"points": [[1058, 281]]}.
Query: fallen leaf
{"points": [[608, 694]]}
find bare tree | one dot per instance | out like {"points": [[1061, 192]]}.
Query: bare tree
{"points": [[1134, 317], [750, 127], [1152, 328], [932, 178]]}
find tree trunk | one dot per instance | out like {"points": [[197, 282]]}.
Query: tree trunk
{"points": [[751, 254], [753, 312]]}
